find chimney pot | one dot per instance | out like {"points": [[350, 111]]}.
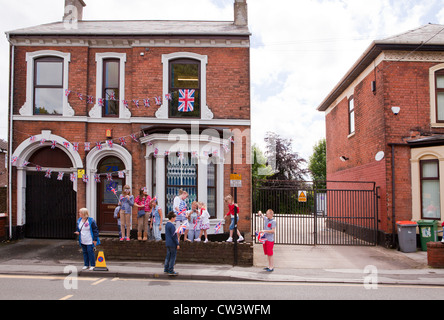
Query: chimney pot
{"points": [[74, 13], [240, 13]]}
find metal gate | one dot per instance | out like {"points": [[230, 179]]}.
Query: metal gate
{"points": [[343, 213], [50, 207]]}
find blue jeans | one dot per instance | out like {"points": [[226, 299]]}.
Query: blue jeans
{"points": [[170, 259], [157, 232], [89, 258]]}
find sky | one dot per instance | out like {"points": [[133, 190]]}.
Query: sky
{"points": [[300, 49]]}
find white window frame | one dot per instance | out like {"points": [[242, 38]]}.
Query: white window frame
{"points": [[206, 113], [432, 78], [28, 108], [96, 111]]}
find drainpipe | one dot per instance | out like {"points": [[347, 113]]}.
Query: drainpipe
{"points": [[11, 112], [392, 145]]}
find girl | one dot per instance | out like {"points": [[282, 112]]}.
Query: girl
{"points": [[193, 223], [157, 220], [88, 238], [126, 203], [204, 221], [142, 202], [232, 207], [179, 207]]}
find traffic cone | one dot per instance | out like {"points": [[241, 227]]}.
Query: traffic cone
{"points": [[101, 263]]}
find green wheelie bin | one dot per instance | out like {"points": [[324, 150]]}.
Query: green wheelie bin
{"points": [[428, 231]]}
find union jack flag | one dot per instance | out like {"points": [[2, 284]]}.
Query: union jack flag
{"points": [[186, 100], [109, 176], [260, 236], [101, 102], [146, 102], [72, 177], [60, 176], [53, 144], [97, 177], [85, 178], [32, 139], [87, 146], [42, 141], [125, 103], [90, 99], [112, 96], [80, 96], [38, 168], [158, 100], [114, 191], [218, 227], [14, 160], [122, 141], [75, 146], [67, 92], [99, 146], [25, 163], [48, 173], [121, 174], [136, 102], [182, 228], [66, 144], [133, 135], [168, 96], [110, 143]]}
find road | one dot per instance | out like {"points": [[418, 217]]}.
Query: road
{"points": [[22, 287]]}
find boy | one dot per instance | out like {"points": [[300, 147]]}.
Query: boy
{"points": [[172, 244], [269, 231]]}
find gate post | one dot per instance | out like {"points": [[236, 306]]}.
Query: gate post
{"points": [[315, 216]]}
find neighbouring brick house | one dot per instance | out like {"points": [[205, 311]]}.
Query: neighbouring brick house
{"points": [[385, 123], [80, 106], [3, 187]]}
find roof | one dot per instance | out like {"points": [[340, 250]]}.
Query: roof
{"points": [[3, 145], [429, 37], [136, 28]]}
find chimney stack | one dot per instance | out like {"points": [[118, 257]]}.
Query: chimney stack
{"points": [[74, 10], [240, 13]]}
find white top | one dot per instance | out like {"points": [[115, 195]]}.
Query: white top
{"points": [[85, 233], [205, 217]]}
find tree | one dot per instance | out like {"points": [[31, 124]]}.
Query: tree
{"points": [[286, 164], [318, 163]]}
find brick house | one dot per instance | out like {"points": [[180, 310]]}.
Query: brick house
{"points": [[80, 109], [385, 123]]}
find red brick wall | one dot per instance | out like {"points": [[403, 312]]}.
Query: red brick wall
{"points": [[435, 254], [228, 96], [403, 84]]}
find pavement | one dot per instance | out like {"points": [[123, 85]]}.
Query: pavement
{"points": [[310, 264]]}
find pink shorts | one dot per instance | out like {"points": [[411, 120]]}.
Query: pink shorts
{"points": [[268, 248]]}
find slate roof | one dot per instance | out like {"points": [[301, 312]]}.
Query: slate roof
{"points": [[136, 28]]}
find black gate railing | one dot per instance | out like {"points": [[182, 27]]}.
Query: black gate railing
{"points": [[345, 213]]}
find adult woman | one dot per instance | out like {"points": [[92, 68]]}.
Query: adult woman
{"points": [[142, 202], [88, 238], [126, 204]]}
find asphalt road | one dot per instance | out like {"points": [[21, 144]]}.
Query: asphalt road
{"points": [[22, 287]]}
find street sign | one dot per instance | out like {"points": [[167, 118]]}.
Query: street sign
{"points": [[80, 173], [302, 196], [235, 180]]}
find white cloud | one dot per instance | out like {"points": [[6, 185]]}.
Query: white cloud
{"points": [[300, 49]]}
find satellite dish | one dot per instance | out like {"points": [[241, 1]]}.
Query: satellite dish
{"points": [[379, 156]]}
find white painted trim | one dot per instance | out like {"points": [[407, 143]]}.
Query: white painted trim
{"points": [[433, 115], [28, 109], [24, 152], [92, 161], [96, 111], [206, 113]]}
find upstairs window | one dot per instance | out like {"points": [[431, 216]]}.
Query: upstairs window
{"points": [[439, 90], [111, 76], [48, 86], [351, 115], [185, 88]]}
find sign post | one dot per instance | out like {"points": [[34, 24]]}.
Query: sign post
{"points": [[235, 182]]}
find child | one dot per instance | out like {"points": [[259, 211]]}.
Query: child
{"points": [[231, 208], [157, 220], [88, 238], [126, 203], [204, 221], [193, 228], [172, 245], [269, 231], [179, 207]]}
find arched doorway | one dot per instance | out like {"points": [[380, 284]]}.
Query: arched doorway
{"points": [[51, 204], [107, 201]]}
